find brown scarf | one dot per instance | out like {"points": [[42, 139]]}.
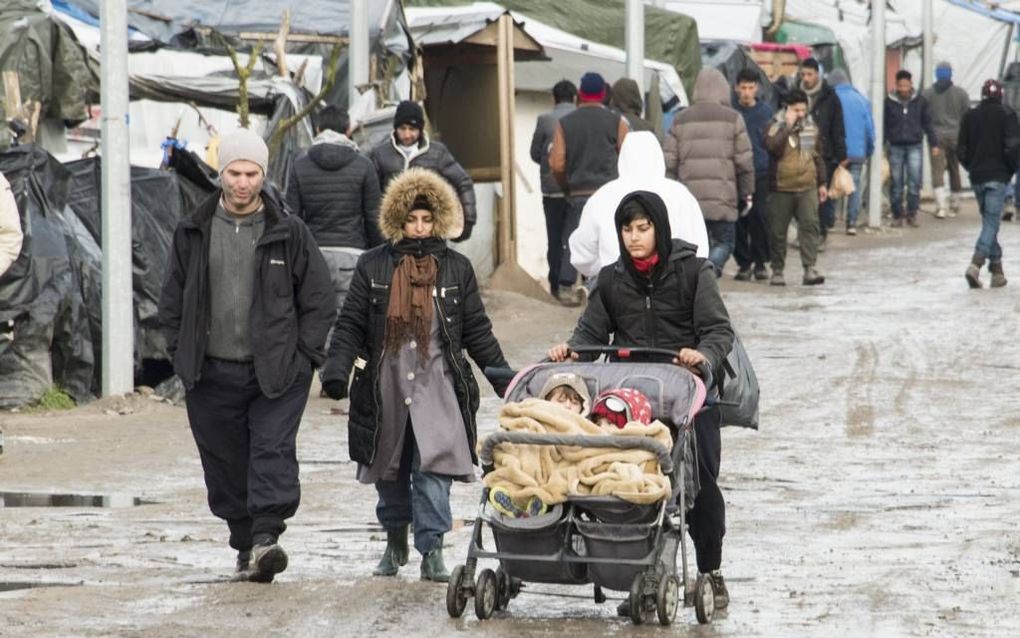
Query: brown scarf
{"points": [[409, 315]]}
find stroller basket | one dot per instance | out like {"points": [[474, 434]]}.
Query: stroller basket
{"points": [[546, 536], [617, 541]]}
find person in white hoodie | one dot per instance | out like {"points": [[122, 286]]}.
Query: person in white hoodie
{"points": [[10, 227], [642, 167]]}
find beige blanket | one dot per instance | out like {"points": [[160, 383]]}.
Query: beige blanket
{"points": [[553, 473]]}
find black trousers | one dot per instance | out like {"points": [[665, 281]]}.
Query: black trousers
{"points": [[247, 443], [556, 209], [752, 247], [707, 519]]}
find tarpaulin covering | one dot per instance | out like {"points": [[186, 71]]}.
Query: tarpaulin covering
{"points": [[729, 58], [669, 37], [53, 292]]}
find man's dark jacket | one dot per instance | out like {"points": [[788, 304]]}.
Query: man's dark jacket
{"points": [[292, 308], [827, 112], [661, 311], [906, 124], [757, 118], [335, 191], [360, 331], [390, 161], [989, 142]]}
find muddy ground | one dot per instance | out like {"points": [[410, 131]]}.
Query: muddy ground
{"points": [[878, 499]]}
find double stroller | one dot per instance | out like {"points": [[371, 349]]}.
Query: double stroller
{"points": [[603, 541]]}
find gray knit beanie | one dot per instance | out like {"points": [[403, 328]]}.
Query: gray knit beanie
{"points": [[243, 144], [570, 380]]}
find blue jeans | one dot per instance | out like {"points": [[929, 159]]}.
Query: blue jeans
{"points": [[419, 497], [990, 197], [905, 164], [853, 203], [722, 237]]}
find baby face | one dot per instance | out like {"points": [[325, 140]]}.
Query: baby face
{"points": [[561, 399]]}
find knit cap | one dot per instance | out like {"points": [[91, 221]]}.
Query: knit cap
{"points": [[409, 112], [621, 406], [592, 87], [243, 144], [571, 380]]}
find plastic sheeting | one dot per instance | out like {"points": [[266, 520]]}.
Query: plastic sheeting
{"points": [[53, 292], [729, 58]]}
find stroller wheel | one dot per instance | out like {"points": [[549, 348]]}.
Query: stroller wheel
{"points": [[456, 598], [637, 600], [504, 589], [485, 594], [667, 599], [704, 600]]}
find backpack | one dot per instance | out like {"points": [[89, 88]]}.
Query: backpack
{"points": [[737, 383]]}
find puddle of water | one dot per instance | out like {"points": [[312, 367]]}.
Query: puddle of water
{"points": [[39, 499], [14, 585]]}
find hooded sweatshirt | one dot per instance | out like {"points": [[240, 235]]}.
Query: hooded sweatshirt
{"points": [[709, 151], [947, 104], [908, 121], [626, 99], [857, 121], [595, 243], [989, 142]]}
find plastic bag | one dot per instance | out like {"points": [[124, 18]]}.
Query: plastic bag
{"points": [[842, 183]]}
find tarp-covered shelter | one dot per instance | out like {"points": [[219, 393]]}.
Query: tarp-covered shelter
{"points": [[729, 58], [669, 36], [736, 20]]}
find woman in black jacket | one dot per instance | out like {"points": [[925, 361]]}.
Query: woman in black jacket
{"points": [[660, 294], [412, 310]]}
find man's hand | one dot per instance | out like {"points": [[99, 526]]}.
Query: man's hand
{"points": [[823, 194], [560, 352], [791, 118], [744, 207], [690, 359], [335, 389], [936, 151]]}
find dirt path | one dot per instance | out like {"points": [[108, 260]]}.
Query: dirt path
{"points": [[879, 498]]}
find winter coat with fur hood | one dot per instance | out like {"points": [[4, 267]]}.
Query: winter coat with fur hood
{"points": [[708, 149], [359, 333]]}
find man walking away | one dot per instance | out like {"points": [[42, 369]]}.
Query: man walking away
{"points": [[860, 139], [586, 145], [826, 111], [628, 102], [409, 146], [554, 203], [334, 189], [907, 121], [797, 184], [988, 147], [709, 151], [947, 103], [245, 308], [752, 245]]}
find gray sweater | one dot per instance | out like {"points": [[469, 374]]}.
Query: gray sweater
{"points": [[232, 243]]}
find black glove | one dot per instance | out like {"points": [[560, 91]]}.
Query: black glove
{"points": [[335, 389], [464, 236]]}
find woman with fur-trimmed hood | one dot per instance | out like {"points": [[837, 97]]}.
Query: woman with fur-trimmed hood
{"points": [[412, 310]]}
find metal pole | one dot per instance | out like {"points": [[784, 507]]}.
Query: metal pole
{"points": [[358, 50], [635, 38], [117, 304], [928, 40], [877, 110]]}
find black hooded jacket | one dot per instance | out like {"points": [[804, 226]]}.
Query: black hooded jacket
{"points": [[335, 190], [662, 311]]}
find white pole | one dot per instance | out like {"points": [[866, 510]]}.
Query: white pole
{"points": [[357, 50], [635, 39], [928, 40], [118, 305], [877, 109]]}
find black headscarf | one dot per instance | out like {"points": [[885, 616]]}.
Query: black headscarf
{"points": [[655, 209]]}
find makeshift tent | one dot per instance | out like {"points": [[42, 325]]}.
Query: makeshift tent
{"points": [[669, 37], [729, 58]]}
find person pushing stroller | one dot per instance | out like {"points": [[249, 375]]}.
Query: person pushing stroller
{"points": [[660, 294]]}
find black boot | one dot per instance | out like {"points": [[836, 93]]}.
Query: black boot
{"points": [[395, 555]]}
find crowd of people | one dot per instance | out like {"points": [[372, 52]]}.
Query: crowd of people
{"points": [[356, 257]]}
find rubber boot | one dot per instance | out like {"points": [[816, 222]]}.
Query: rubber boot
{"points": [[972, 275], [432, 566], [998, 277], [395, 555]]}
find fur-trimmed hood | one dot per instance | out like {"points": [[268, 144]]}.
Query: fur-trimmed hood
{"points": [[447, 214]]}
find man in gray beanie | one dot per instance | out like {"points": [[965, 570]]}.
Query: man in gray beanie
{"points": [[245, 308]]}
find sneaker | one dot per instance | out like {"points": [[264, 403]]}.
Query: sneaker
{"points": [[972, 275], [719, 591], [760, 273], [535, 507], [822, 243], [500, 500], [777, 279], [897, 222], [567, 298], [242, 570], [744, 274], [267, 561], [940, 213], [912, 221], [851, 230], [812, 277]]}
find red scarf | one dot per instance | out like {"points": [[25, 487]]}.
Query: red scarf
{"points": [[645, 266]]}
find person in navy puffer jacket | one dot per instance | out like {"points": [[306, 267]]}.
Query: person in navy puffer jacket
{"points": [[752, 247], [859, 128]]}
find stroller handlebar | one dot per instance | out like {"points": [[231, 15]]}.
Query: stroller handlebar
{"points": [[626, 352], [580, 440]]}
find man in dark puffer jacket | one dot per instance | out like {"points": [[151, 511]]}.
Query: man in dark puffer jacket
{"points": [[409, 146], [334, 189]]}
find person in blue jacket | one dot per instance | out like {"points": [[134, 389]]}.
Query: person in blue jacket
{"points": [[752, 248], [859, 128]]}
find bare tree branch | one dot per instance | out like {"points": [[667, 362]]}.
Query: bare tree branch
{"points": [[329, 79]]}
